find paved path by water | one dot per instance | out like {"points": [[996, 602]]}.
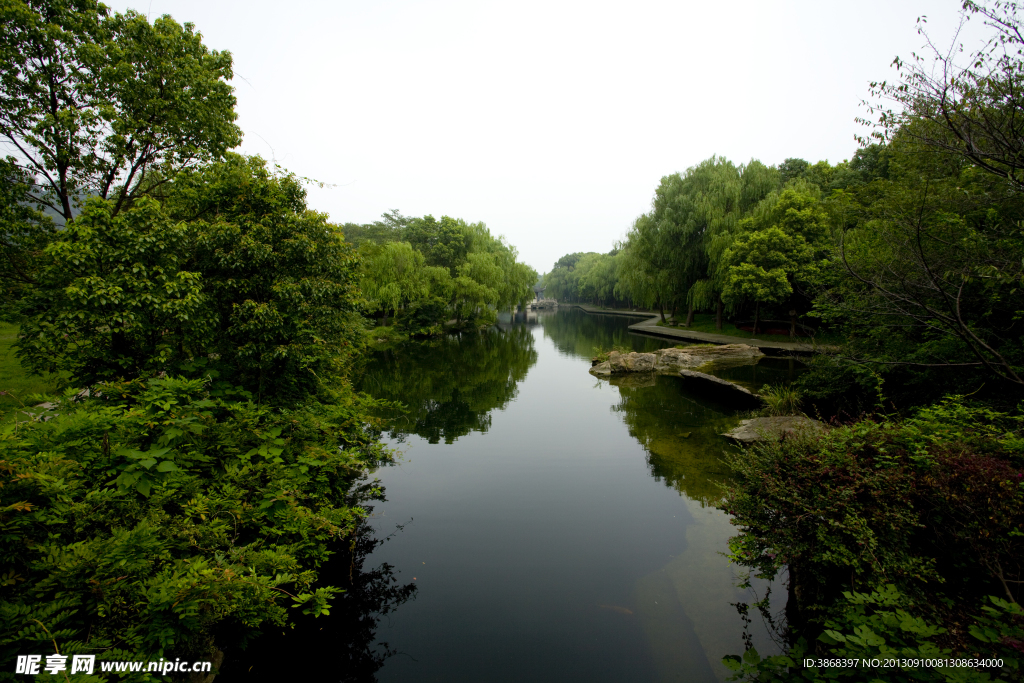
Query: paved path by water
{"points": [[650, 326]]}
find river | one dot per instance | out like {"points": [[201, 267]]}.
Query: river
{"points": [[543, 525]]}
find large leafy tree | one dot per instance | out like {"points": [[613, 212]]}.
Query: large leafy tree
{"points": [[92, 103], [777, 251], [281, 281], [675, 253], [931, 243], [114, 297], [231, 276]]}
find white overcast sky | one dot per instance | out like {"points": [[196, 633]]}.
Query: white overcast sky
{"points": [[553, 121]]}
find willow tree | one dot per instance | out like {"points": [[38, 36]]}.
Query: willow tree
{"points": [[641, 269], [517, 279], [597, 277], [392, 274], [727, 194], [665, 256], [675, 252]]}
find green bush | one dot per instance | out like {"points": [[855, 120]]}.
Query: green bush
{"points": [[145, 520], [781, 400], [931, 504], [876, 636]]}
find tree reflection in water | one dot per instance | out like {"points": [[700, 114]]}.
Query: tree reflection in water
{"points": [[680, 431], [340, 646], [450, 385], [580, 334]]}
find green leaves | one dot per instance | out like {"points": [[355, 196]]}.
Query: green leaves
{"points": [[143, 471], [132, 517], [113, 298], [94, 102], [782, 249], [271, 448]]}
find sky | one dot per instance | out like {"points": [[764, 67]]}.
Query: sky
{"points": [[552, 122]]}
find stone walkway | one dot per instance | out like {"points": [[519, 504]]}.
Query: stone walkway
{"points": [[650, 326]]}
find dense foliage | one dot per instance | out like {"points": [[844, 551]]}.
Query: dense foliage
{"points": [[928, 508], [208, 454], [230, 276], [141, 521], [433, 275]]}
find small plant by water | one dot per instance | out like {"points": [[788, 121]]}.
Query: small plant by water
{"points": [[781, 400], [601, 354]]}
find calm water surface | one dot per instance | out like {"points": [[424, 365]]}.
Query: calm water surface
{"points": [[556, 527], [539, 524]]}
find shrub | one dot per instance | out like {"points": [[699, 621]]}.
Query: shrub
{"points": [[144, 520], [781, 400], [931, 504]]}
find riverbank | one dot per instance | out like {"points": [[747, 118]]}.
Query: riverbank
{"points": [[650, 326]]}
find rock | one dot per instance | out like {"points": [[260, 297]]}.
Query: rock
{"points": [[632, 362], [721, 389], [758, 428], [724, 355], [671, 361]]}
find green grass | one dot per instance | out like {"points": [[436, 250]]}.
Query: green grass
{"points": [[15, 381], [705, 322]]}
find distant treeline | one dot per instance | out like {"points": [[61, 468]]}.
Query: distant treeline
{"points": [[724, 238], [908, 252], [425, 271]]}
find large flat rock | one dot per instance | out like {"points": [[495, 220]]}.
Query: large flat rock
{"points": [[760, 428], [672, 361]]}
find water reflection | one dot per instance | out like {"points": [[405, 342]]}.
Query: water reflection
{"points": [[680, 431], [543, 547], [771, 371], [451, 385], [581, 334]]}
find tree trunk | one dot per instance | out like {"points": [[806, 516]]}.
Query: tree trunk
{"points": [[675, 308], [661, 309], [757, 312], [792, 324], [689, 316], [718, 313]]}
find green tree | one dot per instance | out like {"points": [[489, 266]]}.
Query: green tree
{"points": [[392, 275], [476, 289], [259, 290], [444, 243], [784, 246], [964, 109], [761, 264], [114, 298], [675, 252], [93, 102]]}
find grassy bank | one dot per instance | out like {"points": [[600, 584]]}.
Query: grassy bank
{"points": [[16, 384]]}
